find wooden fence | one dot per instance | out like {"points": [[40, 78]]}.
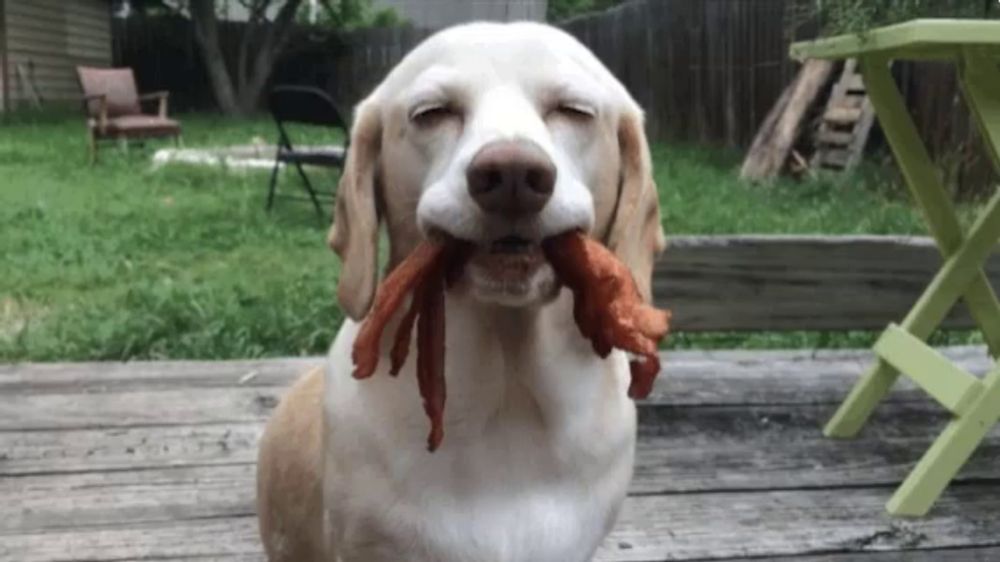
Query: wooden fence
{"points": [[706, 71], [164, 54]]}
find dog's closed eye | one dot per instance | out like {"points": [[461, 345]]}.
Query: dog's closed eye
{"points": [[431, 114], [576, 111]]}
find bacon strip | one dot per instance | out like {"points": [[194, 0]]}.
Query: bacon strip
{"points": [[421, 275], [430, 357], [607, 308], [402, 281], [401, 347], [607, 305]]}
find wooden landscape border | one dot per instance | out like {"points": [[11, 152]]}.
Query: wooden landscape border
{"points": [[783, 283]]}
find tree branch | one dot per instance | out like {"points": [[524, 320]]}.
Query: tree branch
{"points": [[273, 42], [206, 31], [257, 10]]}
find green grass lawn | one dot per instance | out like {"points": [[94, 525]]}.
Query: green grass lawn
{"points": [[119, 261]]}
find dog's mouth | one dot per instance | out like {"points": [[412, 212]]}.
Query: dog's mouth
{"points": [[509, 259], [510, 270], [512, 246]]}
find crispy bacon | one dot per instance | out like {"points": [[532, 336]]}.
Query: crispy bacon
{"points": [[430, 357], [420, 264], [607, 305], [607, 308]]}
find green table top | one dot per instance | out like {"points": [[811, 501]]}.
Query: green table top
{"points": [[917, 39]]}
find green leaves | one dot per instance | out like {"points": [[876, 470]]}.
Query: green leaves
{"points": [[559, 10], [856, 16]]}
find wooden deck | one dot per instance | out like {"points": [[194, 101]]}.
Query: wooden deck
{"points": [[155, 461]]}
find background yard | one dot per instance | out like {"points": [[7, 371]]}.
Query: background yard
{"points": [[119, 261]]}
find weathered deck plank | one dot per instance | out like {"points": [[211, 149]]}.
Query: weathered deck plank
{"points": [[681, 450], [195, 393], [751, 524], [213, 538], [155, 461], [83, 450], [962, 554], [657, 527]]}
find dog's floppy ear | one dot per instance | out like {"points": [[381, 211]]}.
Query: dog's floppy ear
{"points": [[636, 235], [354, 234]]}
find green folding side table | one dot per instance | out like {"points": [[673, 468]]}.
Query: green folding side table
{"points": [[974, 46]]}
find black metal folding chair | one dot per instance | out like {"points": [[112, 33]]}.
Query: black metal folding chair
{"points": [[311, 106]]}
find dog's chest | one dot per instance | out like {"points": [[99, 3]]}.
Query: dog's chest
{"points": [[535, 463], [489, 503]]}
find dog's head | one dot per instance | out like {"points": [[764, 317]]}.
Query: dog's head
{"points": [[500, 135]]}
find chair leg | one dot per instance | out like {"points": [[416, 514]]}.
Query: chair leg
{"points": [[273, 185], [92, 148], [310, 190], [949, 453]]}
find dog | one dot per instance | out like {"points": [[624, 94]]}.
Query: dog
{"points": [[501, 135]]}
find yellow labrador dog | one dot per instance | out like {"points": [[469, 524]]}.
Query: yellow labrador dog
{"points": [[501, 135]]}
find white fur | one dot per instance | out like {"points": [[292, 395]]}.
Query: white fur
{"points": [[537, 455], [539, 432]]}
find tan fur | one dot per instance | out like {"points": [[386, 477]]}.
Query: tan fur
{"points": [[636, 233], [354, 234], [289, 475]]}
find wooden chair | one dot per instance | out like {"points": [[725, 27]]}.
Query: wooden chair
{"points": [[114, 108], [311, 106]]}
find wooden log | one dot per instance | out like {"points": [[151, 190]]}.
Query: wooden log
{"points": [[797, 282], [762, 140], [770, 149]]}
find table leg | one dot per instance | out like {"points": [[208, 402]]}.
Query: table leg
{"points": [[980, 84], [949, 453], [980, 80], [957, 277]]}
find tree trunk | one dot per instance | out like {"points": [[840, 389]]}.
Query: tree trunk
{"points": [[242, 96], [276, 35], [206, 31]]}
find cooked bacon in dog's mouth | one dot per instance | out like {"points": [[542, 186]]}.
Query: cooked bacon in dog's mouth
{"points": [[607, 309]]}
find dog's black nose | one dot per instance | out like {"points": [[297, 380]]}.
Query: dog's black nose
{"points": [[513, 178]]}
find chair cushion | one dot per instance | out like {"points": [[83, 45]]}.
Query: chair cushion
{"points": [[140, 125]]}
